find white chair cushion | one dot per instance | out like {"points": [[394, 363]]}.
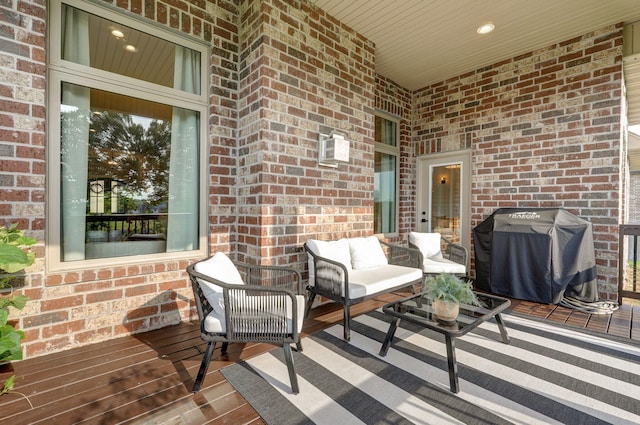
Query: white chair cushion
{"points": [[372, 280], [442, 265], [221, 268], [366, 253], [333, 250], [427, 243], [215, 322]]}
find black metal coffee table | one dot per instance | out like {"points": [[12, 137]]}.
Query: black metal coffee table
{"points": [[417, 309]]}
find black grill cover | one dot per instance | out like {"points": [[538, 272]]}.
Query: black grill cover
{"points": [[536, 254]]}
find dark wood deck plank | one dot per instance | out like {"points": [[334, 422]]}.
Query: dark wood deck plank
{"points": [[598, 322], [92, 391], [523, 307], [578, 319], [635, 323], [620, 322], [542, 311], [560, 314], [147, 378], [165, 405]]}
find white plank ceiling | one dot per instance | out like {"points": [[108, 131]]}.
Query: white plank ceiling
{"points": [[421, 42]]}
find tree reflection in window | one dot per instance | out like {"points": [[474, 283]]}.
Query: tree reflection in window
{"points": [[133, 152]]}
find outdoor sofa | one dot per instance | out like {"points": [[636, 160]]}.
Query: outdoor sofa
{"points": [[352, 270]]}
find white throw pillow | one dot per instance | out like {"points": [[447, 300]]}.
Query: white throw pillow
{"points": [[427, 243], [219, 267], [366, 253], [333, 250]]}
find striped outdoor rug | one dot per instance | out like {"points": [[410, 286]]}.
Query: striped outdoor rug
{"points": [[548, 374]]}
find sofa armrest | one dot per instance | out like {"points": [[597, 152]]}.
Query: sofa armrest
{"points": [[403, 256], [331, 277], [456, 253]]}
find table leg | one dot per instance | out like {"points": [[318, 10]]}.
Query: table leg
{"points": [[503, 330], [387, 341], [453, 365]]}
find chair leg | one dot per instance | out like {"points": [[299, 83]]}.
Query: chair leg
{"points": [[347, 323], [204, 366], [292, 372], [223, 349], [307, 308]]}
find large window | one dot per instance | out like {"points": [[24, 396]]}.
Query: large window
{"points": [[385, 196], [126, 152]]}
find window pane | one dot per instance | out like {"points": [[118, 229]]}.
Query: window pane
{"points": [[384, 193], [129, 175], [386, 132], [126, 51], [446, 201]]}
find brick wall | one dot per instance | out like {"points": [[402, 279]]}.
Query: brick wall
{"points": [[301, 73], [544, 129], [22, 149], [83, 306]]}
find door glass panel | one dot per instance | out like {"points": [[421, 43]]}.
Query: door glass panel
{"points": [[446, 200]]}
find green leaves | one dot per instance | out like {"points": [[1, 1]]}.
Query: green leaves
{"points": [[448, 287], [13, 259], [17, 301], [10, 348], [8, 385], [13, 256]]}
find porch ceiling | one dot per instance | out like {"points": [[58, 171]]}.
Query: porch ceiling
{"points": [[421, 42]]}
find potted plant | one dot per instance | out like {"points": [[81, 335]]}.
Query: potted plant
{"points": [[446, 292], [15, 256]]}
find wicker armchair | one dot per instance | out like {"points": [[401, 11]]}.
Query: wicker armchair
{"points": [[247, 303]]}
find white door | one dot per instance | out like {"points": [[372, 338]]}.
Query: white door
{"points": [[444, 196]]}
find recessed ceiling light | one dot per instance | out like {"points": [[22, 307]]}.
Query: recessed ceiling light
{"points": [[130, 48], [117, 33], [486, 28]]}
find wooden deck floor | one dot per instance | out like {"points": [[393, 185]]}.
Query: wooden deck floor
{"points": [[147, 378]]}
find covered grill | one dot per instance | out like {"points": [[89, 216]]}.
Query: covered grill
{"points": [[536, 254]]}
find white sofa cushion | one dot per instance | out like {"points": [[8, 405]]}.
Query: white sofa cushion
{"points": [[442, 265], [427, 243], [372, 280], [221, 268], [333, 250], [215, 322], [366, 253]]}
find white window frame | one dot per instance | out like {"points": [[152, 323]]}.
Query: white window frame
{"points": [[60, 71], [394, 151]]}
